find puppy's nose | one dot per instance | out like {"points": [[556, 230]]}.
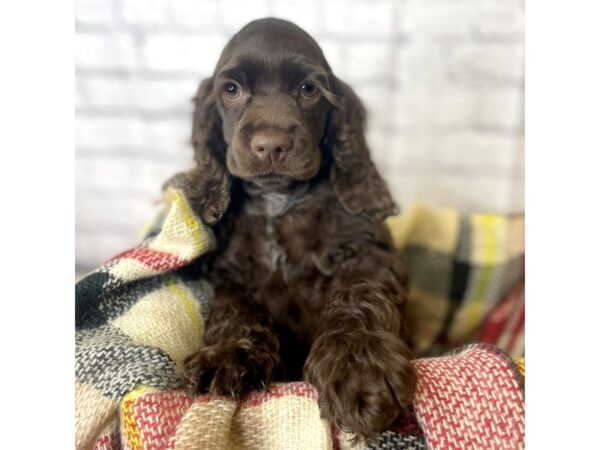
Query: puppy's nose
{"points": [[271, 145]]}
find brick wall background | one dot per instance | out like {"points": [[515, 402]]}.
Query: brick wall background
{"points": [[442, 81]]}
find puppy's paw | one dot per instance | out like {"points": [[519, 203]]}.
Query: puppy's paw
{"points": [[229, 369], [364, 382]]}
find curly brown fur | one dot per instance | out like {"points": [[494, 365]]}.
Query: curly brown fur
{"points": [[307, 281]]}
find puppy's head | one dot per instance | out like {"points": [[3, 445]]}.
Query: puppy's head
{"points": [[272, 91], [271, 114]]}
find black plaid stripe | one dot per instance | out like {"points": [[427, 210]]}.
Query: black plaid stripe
{"points": [[461, 271], [390, 440], [114, 364], [101, 297], [429, 270], [119, 298], [88, 293], [455, 277]]}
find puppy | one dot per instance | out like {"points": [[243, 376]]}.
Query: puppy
{"points": [[307, 282]]}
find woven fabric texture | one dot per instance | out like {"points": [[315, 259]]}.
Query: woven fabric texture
{"points": [[462, 270], [139, 315], [472, 398]]}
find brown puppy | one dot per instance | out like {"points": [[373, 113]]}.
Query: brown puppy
{"points": [[307, 281]]}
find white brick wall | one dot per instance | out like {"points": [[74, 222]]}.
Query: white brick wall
{"points": [[442, 81]]}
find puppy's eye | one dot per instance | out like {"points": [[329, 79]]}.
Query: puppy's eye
{"points": [[308, 90], [233, 92]]}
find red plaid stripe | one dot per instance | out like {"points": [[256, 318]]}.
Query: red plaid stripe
{"points": [[153, 258], [470, 400]]}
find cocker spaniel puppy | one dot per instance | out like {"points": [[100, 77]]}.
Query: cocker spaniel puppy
{"points": [[307, 281]]}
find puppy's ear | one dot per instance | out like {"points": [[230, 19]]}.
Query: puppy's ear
{"points": [[354, 178], [210, 182]]}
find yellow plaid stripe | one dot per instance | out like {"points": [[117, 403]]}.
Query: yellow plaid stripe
{"points": [[131, 432], [189, 219], [179, 292], [183, 233], [520, 362], [474, 309]]}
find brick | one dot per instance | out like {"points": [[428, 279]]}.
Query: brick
{"points": [[121, 196], [302, 13], [154, 173], [468, 193], [169, 138], [434, 110], [84, 171], [401, 111], [136, 174], [488, 64], [368, 60], [500, 110], [156, 95], [416, 110], [457, 21], [378, 99], [116, 50], [516, 202], [410, 152], [421, 63], [106, 173], [506, 22], [193, 14], [354, 17], [102, 133], [94, 12], [388, 152], [235, 14], [462, 154], [80, 95], [110, 214], [143, 13], [448, 20], [472, 152], [135, 94], [448, 112], [187, 54], [104, 93], [403, 188], [161, 138]]}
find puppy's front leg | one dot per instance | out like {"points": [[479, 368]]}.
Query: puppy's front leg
{"points": [[358, 361], [241, 351]]}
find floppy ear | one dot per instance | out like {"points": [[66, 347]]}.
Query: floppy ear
{"points": [[354, 178], [209, 181]]}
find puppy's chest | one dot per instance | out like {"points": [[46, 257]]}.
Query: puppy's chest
{"points": [[273, 252], [281, 240]]}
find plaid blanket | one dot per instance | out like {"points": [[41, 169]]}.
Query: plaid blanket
{"points": [[140, 314], [467, 275]]}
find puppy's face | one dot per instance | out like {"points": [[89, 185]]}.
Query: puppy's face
{"points": [[272, 91]]}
